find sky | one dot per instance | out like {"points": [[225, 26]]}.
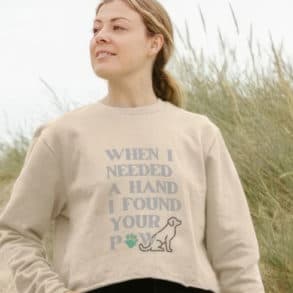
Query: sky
{"points": [[45, 45]]}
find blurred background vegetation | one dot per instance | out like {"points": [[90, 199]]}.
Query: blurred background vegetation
{"points": [[253, 107]]}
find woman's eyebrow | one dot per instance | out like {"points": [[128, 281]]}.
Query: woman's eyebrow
{"points": [[112, 19]]}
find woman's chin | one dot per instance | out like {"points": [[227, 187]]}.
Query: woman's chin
{"points": [[106, 74], [103, 72]]}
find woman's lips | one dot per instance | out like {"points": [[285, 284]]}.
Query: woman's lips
{"points": [[103, 57]]}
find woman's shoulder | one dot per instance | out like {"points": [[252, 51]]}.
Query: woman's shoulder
{"points": [[198, 121], [199, 126], [58, 126]]}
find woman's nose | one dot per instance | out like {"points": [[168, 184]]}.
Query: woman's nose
{"points": [[101, 36]]}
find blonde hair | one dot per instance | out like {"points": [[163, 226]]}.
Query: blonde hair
{"points": [[157, 20]]}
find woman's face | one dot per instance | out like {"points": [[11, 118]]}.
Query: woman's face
{"points": [[125, 37]]}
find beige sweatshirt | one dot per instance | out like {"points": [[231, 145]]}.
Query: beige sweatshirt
{"points": [[147, 191]]}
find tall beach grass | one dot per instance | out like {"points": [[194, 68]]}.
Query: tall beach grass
{"points": [[254, 109]]}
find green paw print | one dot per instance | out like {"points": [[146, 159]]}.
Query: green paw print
{"points": [[131, 240]]}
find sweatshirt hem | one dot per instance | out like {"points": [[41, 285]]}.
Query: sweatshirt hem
{"points": [[167, 277]]}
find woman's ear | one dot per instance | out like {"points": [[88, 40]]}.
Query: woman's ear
{"points": [[157, 43]]}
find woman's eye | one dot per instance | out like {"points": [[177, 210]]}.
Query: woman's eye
{"points": [[115, 26]]}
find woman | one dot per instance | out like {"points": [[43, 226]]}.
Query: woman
{"points": [[144, 194]]}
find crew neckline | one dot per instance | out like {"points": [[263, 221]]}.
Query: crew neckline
{"points": [[150, 108]]}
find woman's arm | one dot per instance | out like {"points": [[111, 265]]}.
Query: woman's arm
{"points": [[230, 237], [35, 199]]}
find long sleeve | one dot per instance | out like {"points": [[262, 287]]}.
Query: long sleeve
{"points": [[35, 199], [231, 242]]}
